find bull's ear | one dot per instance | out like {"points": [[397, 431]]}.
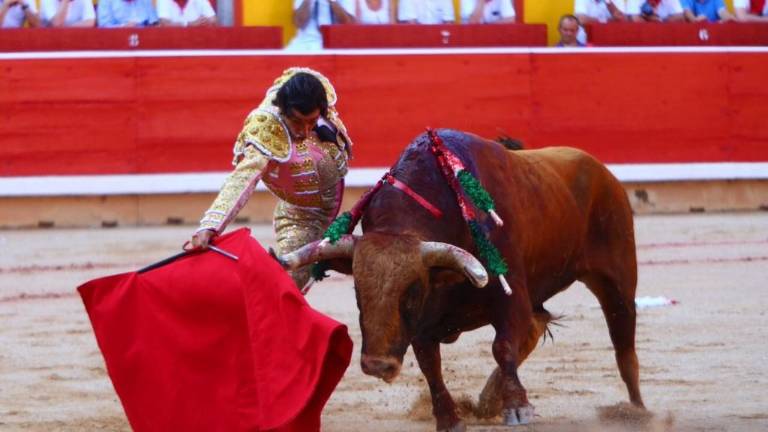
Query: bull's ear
{"points": [[440, 278], [341, 265]]}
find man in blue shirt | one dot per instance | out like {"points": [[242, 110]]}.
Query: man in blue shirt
{"points": [[126, 13], [705, 10]]}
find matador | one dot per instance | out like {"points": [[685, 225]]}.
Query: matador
{"points": [[294, 142]]}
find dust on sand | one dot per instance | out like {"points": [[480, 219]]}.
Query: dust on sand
{"points": [[704, 363]]}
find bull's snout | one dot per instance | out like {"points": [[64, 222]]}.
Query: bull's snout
{"points": [[386, 368]]}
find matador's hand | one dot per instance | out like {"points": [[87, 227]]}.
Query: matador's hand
{"points": [[201, 239]]}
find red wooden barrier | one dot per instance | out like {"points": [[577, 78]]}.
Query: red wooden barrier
{"points": [[72, 39], [181, 114], [433, 36], [677, 34]]}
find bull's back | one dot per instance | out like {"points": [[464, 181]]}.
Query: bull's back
{"points": [[556, 201], [582, 174]]}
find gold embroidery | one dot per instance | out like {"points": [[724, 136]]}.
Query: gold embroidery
{"points": [[263, 130], [303, 167], [307, 184], [301, 147], [231, 193]]}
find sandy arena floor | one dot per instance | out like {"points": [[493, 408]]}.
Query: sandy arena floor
{"points": [[704, 362]]}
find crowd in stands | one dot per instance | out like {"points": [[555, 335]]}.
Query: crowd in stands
{"points": [[603, 11], [590, 11], [310, 15], [111, 13]]}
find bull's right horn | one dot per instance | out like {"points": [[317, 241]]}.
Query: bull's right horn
{"points": [[313, 252], [450, 256]]}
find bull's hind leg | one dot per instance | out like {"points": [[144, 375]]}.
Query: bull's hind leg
{"points": [[443, 407], [618, 304]]}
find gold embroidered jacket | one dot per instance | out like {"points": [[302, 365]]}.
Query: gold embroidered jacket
{"points": [[296, 172]]}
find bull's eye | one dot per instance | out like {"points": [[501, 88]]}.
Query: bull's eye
{"points": [[411, 305]]}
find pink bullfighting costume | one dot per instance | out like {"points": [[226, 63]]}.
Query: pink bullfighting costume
{"points": [[307, 176]]}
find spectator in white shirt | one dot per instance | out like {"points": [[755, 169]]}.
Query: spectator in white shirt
{"points": [[487, 11], [183, 13], [599, 11], [655, 10], [375, 11], [309, 15], [745, 12], [68, 13], [14, 13], [425, 12]]}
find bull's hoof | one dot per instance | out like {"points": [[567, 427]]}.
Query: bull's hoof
{"points": [[518, 416], [458, 427]]}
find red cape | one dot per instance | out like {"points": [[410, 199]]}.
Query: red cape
{"points": [[208, 343]]}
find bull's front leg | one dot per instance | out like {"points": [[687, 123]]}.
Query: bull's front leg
{"points": [[511, 319], [517, 410], [443, 407]]}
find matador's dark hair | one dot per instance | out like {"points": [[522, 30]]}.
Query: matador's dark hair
{"points": [[303, 92]]}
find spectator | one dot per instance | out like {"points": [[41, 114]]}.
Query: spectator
{"points": [[568, 29], [599, 11], [375, 11], [309, 15], [655, 10], [183, 13], [67, 13], [14, 13], [487, 11], [425, 12], [705, 10], [126, 13], [751, 10]]}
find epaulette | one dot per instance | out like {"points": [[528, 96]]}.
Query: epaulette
{"points": [[264, 130]]}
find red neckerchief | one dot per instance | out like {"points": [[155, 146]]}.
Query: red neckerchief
{"points": [[181, 3], [654, 3]]}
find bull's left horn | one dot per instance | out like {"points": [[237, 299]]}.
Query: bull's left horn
{"points": [[313, 252], [447, 255]]}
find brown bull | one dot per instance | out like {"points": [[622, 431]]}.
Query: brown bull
{"points": [[566, 218]]}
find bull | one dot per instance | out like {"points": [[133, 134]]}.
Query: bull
{"points": [[418, 283]]}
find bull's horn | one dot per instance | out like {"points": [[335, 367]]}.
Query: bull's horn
{"points": [[313, 252], [450, 256]]}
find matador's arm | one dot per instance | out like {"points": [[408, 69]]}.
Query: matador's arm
{"points": [[236, 190]]}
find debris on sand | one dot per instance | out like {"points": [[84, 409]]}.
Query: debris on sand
{"points": [[421, 408], [625, 414]]}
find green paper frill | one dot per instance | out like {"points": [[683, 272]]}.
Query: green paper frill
{"points": [[339, 227], [493, 259], [472, 187]]}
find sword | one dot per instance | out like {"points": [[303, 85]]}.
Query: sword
{"points": [[186, 253], [223, 252]]}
